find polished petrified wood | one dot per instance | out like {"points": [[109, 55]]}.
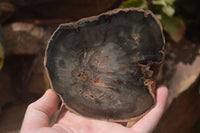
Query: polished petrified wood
{"points": [[105, 67]]}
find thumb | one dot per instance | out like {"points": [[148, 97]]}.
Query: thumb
{"points": [[38, 113], [149, 122]]}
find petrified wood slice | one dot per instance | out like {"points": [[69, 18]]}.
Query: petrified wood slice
{"points": [[105, 67]]}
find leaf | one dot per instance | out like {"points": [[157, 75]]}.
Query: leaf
{"points": [[168, 10], [163, 2], [174, 26], [159, 16], [1, 48], [159, 2], [170, 2], [135, 3], [131, 3]]}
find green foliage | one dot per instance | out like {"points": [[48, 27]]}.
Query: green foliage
{"points": [[164, 10], [168, 10], [174, 26], [171, 2], [135, 3]]}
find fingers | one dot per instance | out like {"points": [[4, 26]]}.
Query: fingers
{"points": [[149, 121], [39, 112]]}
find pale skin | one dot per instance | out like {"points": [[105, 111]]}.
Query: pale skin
{"points": [[37, 117]]}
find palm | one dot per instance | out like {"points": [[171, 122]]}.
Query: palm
{"points": [[38, 113], [79, 124]]}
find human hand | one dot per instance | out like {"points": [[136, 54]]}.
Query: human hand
{"points": [[37, 117]]}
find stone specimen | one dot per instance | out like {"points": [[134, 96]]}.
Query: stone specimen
{"points": [[105, 67]]}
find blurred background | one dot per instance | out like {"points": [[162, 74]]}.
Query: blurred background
{"points": [[26, 26]]}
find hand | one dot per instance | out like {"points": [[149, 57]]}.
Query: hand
{"points": [[38, 113]]}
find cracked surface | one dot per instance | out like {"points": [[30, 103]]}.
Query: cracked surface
{"points": [[105, 67]]}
